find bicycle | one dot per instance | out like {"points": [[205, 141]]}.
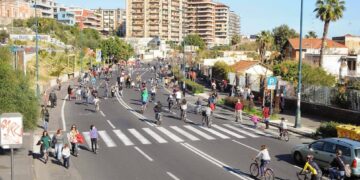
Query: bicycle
{"points": [[143, 108], [303, 175], [208, 121], [158, 118], [183, 115], [255, 171], [284, 135]]}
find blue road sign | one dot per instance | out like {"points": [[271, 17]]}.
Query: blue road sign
{"points": [[271, 83]]}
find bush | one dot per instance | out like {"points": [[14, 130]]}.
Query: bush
{"points": [[194, 87], [327, 129], [15, 92]]}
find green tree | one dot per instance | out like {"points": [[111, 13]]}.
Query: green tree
{"points": [[220, 70], [194, 40], [288, 70], [328, 11], [281, 34], [15, 92], [3, 36], [235, 40], [311, 34], [116, 48], [264, 41]]}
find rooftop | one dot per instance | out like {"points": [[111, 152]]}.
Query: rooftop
{"points": [[244, 65], [314, 43]]}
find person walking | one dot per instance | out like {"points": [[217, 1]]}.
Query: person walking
{"points": [[45, 142], [238, 111], [78, 94], [266, 116], [69, 90], [66, 155], [73, 140], [45, 116], [282, 103], [52, 98], [93, 136], [58, 141]]}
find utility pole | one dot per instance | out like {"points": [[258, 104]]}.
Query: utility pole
{"points": [[298, 110], [37, 53]]}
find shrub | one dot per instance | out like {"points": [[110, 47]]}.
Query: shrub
{"points": [[327, 129], [193, 86]]}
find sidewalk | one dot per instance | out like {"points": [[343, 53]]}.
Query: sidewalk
{"points": [[309, 123]]}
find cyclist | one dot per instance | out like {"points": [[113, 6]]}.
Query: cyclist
{"points": [[183, 108], [96, 103], [282, 127], [206, 115], [337, 169], [170, 101], [264, 158], [312, 167], [153, 93], [158, 110], [178, 96], [198, 106]]}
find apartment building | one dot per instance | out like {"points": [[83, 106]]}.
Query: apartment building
{"points": [[163, 19], [87, 18], [63, 15], [112, 20], [222, 24], [234, 24], [14, 9], [201, 19]]}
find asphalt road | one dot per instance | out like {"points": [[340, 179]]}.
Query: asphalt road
{"points": [[132, 147]]}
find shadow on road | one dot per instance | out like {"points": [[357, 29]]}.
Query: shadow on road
{"points": [[91, 110]]}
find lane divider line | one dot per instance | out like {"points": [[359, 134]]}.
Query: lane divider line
{"points": [[213, 160], [172, 175], [63, 113], [142, 153], [111, 124], [102, 113]]}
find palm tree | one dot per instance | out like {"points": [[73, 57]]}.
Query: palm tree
{"points": [[326, 11], [264, 41], [311, 34]]}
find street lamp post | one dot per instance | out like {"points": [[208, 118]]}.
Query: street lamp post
{"points": [[37, 52], [298, 110]]}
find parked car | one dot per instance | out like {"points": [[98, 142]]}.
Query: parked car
{"points": [[324, 151]]}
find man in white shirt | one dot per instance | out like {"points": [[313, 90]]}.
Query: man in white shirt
{"points": [[178, 96]]}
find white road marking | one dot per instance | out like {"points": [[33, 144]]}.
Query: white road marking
{"points": [[227, 131], [108, 141], [215, 133], [140, 137], [256, 131], [123, 137], [170, 134], [245, 145], [142, 152], [241, 131], [63, 113], [213, 160], [184, 133], [87, 138], [200, 133], [110, 124], [172, 176], [102, 113], [153, 134]]}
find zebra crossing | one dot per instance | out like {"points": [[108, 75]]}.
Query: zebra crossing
{"points": [[177, 134]]}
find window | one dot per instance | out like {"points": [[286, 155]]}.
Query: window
{"points": [[345, 150], [330, 147], [317, 145], [357, 153], [63, 15]]}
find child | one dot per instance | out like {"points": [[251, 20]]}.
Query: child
{"points": [[66, 155], [255, 120], [198, 106]]}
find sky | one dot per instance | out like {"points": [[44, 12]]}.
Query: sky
{"points": [[258, 15]]}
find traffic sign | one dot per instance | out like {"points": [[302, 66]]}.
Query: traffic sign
{"points": [[271, 83]]}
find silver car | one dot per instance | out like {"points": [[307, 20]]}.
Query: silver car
{"points": [[324, 150]]}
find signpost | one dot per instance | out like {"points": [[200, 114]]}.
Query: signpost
{"points": [[271, 85], [11, 133]]}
